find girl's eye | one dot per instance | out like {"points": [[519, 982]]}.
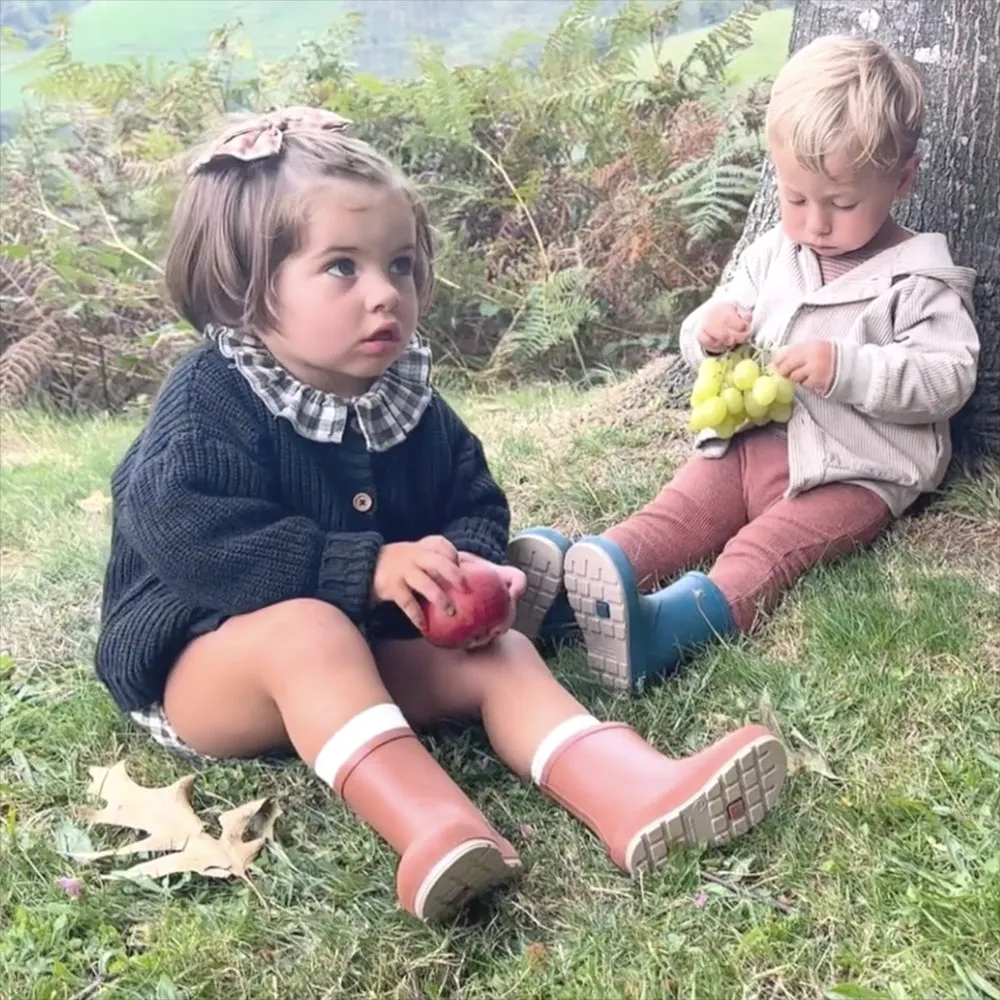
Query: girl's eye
{"points": [[796, 201], [845, 208], [402, 266], [343, 267]]}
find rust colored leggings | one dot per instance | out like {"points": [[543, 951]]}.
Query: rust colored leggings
{"points": [[733, 508]]}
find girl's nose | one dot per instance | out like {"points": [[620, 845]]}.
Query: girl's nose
{"points": [[381, 294]]}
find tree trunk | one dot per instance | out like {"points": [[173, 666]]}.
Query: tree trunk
{"points": [[956, 43]]}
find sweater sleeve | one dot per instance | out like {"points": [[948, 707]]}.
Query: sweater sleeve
{"points": [[927, 371], [478, 517], [199, 514]]}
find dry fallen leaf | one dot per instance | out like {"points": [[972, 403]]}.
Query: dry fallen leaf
{"points": [[96, 503], [166, 816]]}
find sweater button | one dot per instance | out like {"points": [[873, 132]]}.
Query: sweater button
{"points": [[363, 502]]}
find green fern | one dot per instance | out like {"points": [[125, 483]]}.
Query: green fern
{"points": [[708, 61], [554, 312], [587, 87], [714, 191], [446, 104]]}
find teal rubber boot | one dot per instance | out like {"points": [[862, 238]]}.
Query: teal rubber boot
{"points": [[543, 613], [632, 638]]}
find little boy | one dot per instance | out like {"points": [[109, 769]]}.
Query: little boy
{"points": [[871, 321]]}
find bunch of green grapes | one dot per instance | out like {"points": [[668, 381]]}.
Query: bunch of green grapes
{"points": [[739, 389]]}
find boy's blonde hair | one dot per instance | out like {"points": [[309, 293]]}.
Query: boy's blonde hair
{"points": [[850, 96], [237, 220]]}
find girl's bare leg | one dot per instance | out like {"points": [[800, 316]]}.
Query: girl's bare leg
{"points": [[635, 799], [300, 673]]}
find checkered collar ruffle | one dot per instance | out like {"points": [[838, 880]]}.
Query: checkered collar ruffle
{"points": [[386, 413]]}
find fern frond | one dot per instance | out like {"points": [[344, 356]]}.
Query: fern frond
{"points": [[714, 52], [555, 310], [573, 42], [446, 105], [146, 173], [23, 362]]}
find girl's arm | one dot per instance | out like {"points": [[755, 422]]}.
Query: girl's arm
{"points": [[477, 518], [199, 515]]}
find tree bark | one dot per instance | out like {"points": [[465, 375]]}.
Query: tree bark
{"points": [[956, 44]]}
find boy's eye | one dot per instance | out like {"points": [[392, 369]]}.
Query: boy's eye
{"points": [[402, 266], [795, 201], [342, 267], [845, 208]]}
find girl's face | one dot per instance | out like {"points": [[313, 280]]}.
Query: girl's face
{"points": [[347, 300]]}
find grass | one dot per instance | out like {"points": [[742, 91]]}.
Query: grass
{"points": [[877, 876], [171, 31]]}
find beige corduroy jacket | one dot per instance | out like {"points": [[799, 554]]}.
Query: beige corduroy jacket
{"points": [[906, 356]]}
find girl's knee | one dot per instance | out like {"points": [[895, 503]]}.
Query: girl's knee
{"points": [[514, 652], [303, 624]]}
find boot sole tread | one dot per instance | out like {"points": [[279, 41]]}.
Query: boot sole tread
{"points": [[590, 576], [466, 872], [734, 799], [541, 561]]}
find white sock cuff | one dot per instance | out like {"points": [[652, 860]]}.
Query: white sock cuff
{"points": [[353, 735], [566, 729]]}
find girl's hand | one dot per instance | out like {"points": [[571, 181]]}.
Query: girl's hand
{"points": [[405, 570], [809, 364]]}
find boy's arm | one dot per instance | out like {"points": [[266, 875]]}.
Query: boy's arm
{"points": [[477, 516], [926, 374], [742, 289], [200, 516]]}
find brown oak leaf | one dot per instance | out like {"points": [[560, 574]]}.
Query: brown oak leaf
{"points": [[165, 815]]}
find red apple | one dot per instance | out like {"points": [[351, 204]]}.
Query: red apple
{"points": [[481, 607]]}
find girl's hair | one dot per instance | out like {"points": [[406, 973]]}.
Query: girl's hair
{"points": [[238, 219], [847, 95]]}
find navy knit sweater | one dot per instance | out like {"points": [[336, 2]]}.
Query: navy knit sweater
{"points": [[220, 508]]}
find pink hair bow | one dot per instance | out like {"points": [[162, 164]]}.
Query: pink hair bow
{"points": [[261, 136]]}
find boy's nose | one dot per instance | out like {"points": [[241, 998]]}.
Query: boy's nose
{"points": [[819, 224]]}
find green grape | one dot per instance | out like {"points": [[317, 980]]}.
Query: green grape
{"points": [[711, 368], [715, 411], [727, 427], [765, 390], [755, 411], [733, 399], [786, 389], [745, 374], [779, 412]]}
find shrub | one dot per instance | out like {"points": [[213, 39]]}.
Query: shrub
{"points": [[583, 198]]}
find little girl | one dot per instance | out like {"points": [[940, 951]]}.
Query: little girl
{"points": [[871, 321], [299, 487]]}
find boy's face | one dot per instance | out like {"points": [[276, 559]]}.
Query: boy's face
{"points": [[835, 217]]}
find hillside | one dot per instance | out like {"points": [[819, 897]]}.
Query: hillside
{"points": [[166, 31]]}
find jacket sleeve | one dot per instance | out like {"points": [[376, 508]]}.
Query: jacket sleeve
{"points": [[926, 373], [478, 516], [742, 288], [200, 516]]}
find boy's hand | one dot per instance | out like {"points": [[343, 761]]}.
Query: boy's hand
{"points": [[809, 364], [726, 326], [404, 570]]}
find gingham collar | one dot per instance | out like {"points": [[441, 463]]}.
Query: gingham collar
{"points": [[385, 414]]}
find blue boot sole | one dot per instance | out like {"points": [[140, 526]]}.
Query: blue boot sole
{"points": [[602, 592], [539, 554]]}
